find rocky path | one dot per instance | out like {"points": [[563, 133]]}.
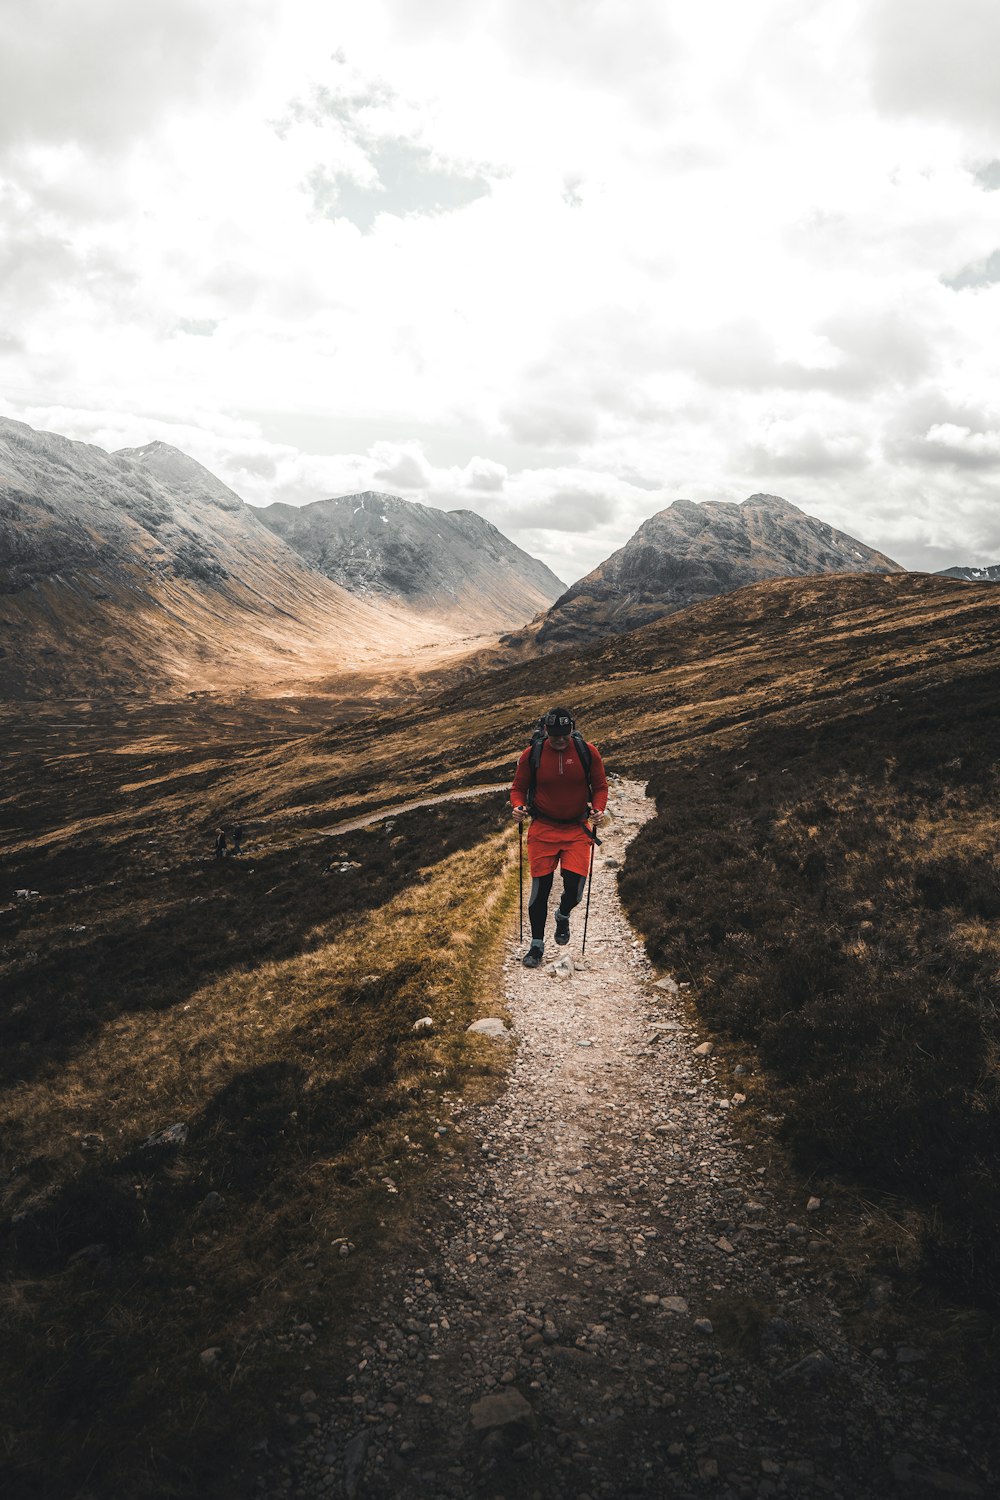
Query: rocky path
{"points": [[367, 820], [610, 1301]]}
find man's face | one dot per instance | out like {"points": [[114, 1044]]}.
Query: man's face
{"points": [[558, 741]]}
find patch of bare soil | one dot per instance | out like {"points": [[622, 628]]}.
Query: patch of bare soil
{"points": [[607, 1295]]}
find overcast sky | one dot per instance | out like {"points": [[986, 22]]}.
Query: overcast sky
{"points": [[559, 261]]}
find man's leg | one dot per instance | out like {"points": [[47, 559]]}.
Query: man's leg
{"points": [[542, 860], [574, 861], [538, 905], [573, 885]]}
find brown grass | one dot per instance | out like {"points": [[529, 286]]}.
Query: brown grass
{"points": [[304, 1088], [840, 919], [821, 865]]}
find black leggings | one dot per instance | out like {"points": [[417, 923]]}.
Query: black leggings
{"points": [[538, 902]]}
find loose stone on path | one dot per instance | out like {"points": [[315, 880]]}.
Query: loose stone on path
{"points": [[599, 1299]]}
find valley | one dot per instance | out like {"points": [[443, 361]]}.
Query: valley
{"points": [[417, 426], [139, 574], [818, 750]]}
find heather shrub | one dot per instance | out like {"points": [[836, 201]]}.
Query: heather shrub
{"points": [[969, 883], [833, 899]]}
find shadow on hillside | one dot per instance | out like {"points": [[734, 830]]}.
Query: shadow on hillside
{"points": [[839, 921], [109, 1241], [140, 1203], [167, 937]]}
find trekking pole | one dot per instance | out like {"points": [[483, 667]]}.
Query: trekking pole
{"points": [[586, 915], [520, 882]]}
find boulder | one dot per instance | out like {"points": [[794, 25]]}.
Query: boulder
{"points": [[501, 1409], [490, 1026], [173, 1135]]}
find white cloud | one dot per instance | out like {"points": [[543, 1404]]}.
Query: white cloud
{"points": [[485, 475], [559, 262], [981, 274], [988, 176], [932, 59], [99, 72], [805, 448], [932, 430], [406, 468], [954, 444]]}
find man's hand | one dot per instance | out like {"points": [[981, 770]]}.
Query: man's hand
{"points": [[519, 814], [597, 817]]}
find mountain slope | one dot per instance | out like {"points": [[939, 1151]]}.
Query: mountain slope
{"points": [[451, 565], [689, 553], [990, 574], [272, 1008], [823, 756], [140, 571]]}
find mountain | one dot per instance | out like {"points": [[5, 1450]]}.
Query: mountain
{"points": [[990, 574], [692, 552], [140, 571], [818, 869], [450, 564]]}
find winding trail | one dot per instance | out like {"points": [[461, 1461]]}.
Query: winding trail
{"points": [[385, 813], [615, 1276]]}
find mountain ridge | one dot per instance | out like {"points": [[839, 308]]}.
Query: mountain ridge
{"points": [[692, 551], [988, 574], [451, 564], [140, 571]]}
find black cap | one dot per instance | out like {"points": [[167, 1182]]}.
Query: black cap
{"points": [[558, 722]]}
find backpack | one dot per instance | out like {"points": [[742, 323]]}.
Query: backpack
{"points": [[537, 741]]}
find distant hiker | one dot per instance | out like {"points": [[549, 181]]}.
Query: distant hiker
{"points": [[237, 838], [558, 783], [220, 843]]}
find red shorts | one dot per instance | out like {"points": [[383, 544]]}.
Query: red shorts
{"points": [[551, 844]]}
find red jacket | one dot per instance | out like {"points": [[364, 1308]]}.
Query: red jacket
{"points": [[561, 787]]}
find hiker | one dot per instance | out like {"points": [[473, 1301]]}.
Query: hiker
{"points": [[558, 783], [220, 843], [237, 838]]}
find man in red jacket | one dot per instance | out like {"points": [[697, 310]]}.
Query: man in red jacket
{"points": [[558, 798]]}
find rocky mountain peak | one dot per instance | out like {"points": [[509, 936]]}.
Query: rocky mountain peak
{"points": [[141, 571], [378, 499], [692, 551], [183, 476], [988, 573], [451, 564], [773, 503]]}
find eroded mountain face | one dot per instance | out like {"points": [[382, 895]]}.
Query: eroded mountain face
{"points": [[140, 571], [452, 565], [691, 552], [988, 574]]}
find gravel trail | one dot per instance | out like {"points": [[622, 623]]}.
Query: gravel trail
{"points": [[610, 1300], [367, 820]]}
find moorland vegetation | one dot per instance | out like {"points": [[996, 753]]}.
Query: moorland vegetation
{"points": [[821, 869], [267, 1008], [833, 896]]}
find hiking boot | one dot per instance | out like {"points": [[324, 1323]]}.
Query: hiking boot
{"points": [[562, 928], [533, 958]]}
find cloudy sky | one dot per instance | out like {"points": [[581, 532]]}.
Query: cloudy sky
{"points": [[560, 261]]}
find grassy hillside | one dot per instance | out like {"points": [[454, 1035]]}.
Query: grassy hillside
{"points": [[792, 652], [833, 894], [268, 1008], [821, 866]]}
